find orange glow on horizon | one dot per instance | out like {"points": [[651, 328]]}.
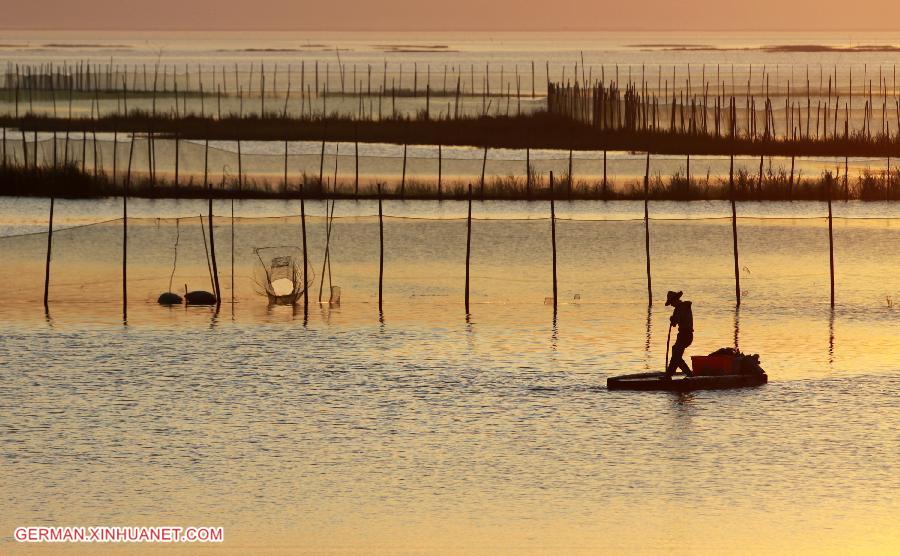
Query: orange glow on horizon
{"points": [[412, 15]]}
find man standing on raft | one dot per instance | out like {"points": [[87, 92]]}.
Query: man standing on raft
{"points": [[683, 318]]}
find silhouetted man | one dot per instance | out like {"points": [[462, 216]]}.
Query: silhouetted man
{"points": [[683, 318]]}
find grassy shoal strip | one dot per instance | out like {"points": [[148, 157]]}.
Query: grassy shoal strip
{"points": [[70, 181], [537, 131]]}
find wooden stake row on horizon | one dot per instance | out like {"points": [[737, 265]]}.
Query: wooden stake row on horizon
{"points": [[87, 77], [360, 79]]}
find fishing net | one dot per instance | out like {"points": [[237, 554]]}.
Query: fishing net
{"points": [[280, 274]]}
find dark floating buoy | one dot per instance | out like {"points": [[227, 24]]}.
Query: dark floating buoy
{"points": [[169, 298], [200, 297]]}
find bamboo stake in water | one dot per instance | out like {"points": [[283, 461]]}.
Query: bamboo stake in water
{"points": [[322, 160], [403, 176], [232, 244], [206, 163], [305, 256], [553, 241], [326, 260], [483, 168], [605, 182], [212, 250], [49, 249], [441, 170], [177, 159], [25, 151], [380, 251], [889, 182], [285, 165], [356, 159], [212, 283], [150, 162], [760, 181], [791, 181], [689, 170], [528, 171], [532, 80], [737, 275], [468, 245], [125, 232], [647, 227], [830, 242]]}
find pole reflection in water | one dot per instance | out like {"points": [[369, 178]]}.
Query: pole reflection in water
{"points": [[831, 339], [649, 337], [299, 311], [554, 334], [326, 313]]}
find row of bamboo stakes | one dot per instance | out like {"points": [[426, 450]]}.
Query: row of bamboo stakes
{"points": [[633, 109], [357, 79], [151, 163], [554, 281], [215, 273], [589, 98], [85, 78]]}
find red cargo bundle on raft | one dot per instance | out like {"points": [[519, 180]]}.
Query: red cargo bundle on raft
{"points": [[713, 365]]}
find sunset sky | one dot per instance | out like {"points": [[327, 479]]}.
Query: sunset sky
{"points": [[457, 15]]}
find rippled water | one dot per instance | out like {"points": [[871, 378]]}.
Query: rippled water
{"points": [[428, 433]]}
